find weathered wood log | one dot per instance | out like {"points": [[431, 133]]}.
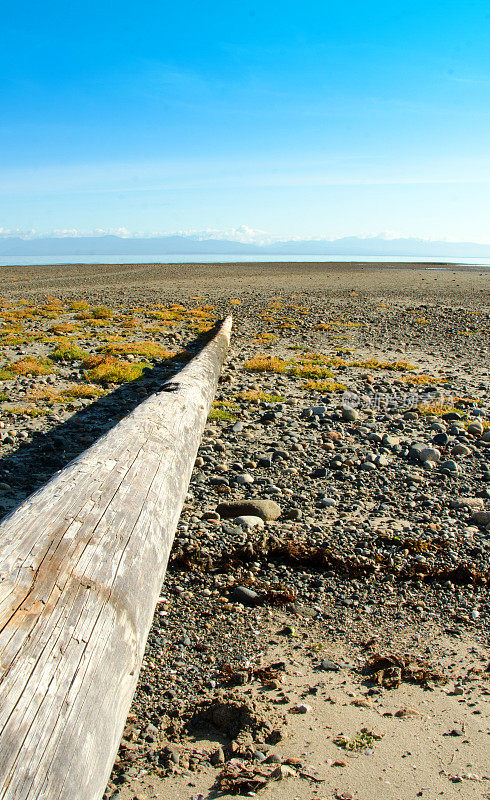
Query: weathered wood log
{"points": [[82, 562]]}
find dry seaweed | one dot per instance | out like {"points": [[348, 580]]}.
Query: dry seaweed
{"points": [[280, 596], [232, 676], [323, 558], [288, 552], [362, 741], [189, 558], [460, 575], [390, 671], [238, 777]]}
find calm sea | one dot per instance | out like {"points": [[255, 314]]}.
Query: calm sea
{"points": [[483, 263]]}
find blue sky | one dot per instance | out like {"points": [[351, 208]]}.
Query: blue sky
{"points": [[297, 118]]}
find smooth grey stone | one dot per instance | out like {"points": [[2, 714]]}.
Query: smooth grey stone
{"points": [[328, 501], [390, 441], [449, 466], [430, 454], [279, 454], [249, 521], [330, 666], [460, 450], [244, 479], [482, 517], [246, 596], [267, 509]]}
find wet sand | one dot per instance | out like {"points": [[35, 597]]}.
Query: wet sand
{"points": [[214, 279]]}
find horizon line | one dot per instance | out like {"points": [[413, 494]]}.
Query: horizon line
{"points": [[236, 236]]}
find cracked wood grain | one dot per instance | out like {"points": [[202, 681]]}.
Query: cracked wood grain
{"points": [[82, 562]]}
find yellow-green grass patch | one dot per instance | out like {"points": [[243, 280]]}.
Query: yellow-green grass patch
{"points": [[199, 325], [421, 380], [323, 386], [82, 391], [265, 363], [15, 340], [310, 371], [437, 409], [50, 395], [17, 411], [28, 366], [147, 349], [392, 366], [258, 396], [112, 370], [222, 410], [67, 350], [266, 337], [64, 327]]}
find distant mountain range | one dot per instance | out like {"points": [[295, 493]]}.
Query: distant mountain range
{"points": [[100, 246]]}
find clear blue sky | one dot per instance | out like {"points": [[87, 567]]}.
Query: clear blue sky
{"points": [[298, 118]]}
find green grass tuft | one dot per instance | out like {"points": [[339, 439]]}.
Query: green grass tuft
{"points": [[67, 350]]}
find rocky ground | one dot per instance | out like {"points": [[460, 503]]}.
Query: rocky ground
{"points": [[323, 627]]}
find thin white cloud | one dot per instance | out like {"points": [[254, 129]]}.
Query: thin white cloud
{"points": [[242, 233], [192, 175], [60, 233]]}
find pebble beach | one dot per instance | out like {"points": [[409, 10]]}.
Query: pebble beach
{"points": [[322, 631]]}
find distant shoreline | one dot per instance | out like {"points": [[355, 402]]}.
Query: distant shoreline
{"points": [[201, 259]]}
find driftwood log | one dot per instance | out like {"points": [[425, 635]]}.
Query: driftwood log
{"points": [[82, 563]]}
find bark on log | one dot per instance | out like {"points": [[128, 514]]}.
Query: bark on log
{"points": [[82, 562]]}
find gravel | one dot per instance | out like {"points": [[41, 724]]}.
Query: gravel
{"points": [[368, 518]]}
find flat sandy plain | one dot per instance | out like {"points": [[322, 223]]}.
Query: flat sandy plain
{"points": [[391, 525], [329, 277]]}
